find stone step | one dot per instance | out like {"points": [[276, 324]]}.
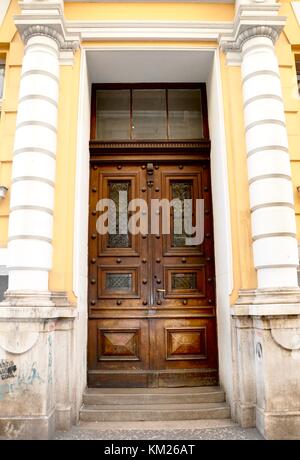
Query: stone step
{"points": [[130, 412], [102, 396]]}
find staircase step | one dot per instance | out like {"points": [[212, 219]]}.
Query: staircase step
{"points": [[129, 412], [103, 396]]}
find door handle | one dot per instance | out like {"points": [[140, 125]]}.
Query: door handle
{"points": [[160, 295], [150, 170]]}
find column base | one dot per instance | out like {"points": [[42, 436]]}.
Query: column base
{"points": [[267, 360], [279, 301], [278, 425], [27, 299], [37, 371], [27, 428], [245, 414], [63, 418]]}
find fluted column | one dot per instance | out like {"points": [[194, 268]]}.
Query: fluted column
{"points": [[269, 173], [33, 172]]}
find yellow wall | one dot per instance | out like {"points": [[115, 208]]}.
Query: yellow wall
{"points": [[149, 11], [61, 276], [10, 43], [289, 44], [11, 48], [243, 270]]}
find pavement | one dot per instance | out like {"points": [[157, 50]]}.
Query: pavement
{"points": [[171, 430]]}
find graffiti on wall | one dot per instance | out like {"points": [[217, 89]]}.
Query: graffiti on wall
{"points": [[7, 369]]}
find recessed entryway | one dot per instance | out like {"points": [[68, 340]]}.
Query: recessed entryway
{"points": [[192, 65]]}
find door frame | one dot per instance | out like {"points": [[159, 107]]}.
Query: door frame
{"points": [[220, 196]]}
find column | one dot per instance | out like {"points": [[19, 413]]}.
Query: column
{"points": [[34, 323], [269, 173], [266, 332], [33, 172]]}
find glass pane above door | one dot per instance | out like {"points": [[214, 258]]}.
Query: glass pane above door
{"points": [[113, 114], [185, 114], [149, 114]]}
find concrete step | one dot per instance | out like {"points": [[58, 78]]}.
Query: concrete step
{"points": [[130, 412], [101, 396]]}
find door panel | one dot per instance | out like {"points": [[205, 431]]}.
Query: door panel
{"points": [[151, 296], [118, 352]]}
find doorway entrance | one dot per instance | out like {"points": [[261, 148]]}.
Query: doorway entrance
{"points": [[151, 293]]}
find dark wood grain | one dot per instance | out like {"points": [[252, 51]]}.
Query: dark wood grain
{"points": [[133, 339]]}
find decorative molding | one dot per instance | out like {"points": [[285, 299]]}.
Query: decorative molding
{"points": [[42, 124], [133, 146], [287, 338], [30, 237], [273, 235], [39, 97], [272, 205], [273, 302], [268, 296], [277, 148], [44, 73], [257, 19], [47, 19], [41, 179], [27, 298], [18, 342], [259, 73], [230, 34], [90, 31], [261, 97], [25, 207], [52, 15], [247, 34], [269, 121], [35, 150], [44, 30]]}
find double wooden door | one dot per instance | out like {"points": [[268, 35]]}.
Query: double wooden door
{"points": [[151, 295]]}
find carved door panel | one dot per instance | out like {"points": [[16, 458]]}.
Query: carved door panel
{"points": [[151, 295]]}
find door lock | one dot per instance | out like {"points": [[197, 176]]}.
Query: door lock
{"points": [[160, 295], [150, 170]]}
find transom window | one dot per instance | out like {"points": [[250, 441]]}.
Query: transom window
{"points": [[141, 113]]}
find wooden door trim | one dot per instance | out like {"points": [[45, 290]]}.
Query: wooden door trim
{"points": [[163, 153], [138, 148]]}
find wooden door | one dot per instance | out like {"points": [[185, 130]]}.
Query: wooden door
{"points": [[151, 296]]}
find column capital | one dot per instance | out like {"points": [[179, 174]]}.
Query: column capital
{"points": [[251, 20], [48, 31], [248, 33], [46, 18]]}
